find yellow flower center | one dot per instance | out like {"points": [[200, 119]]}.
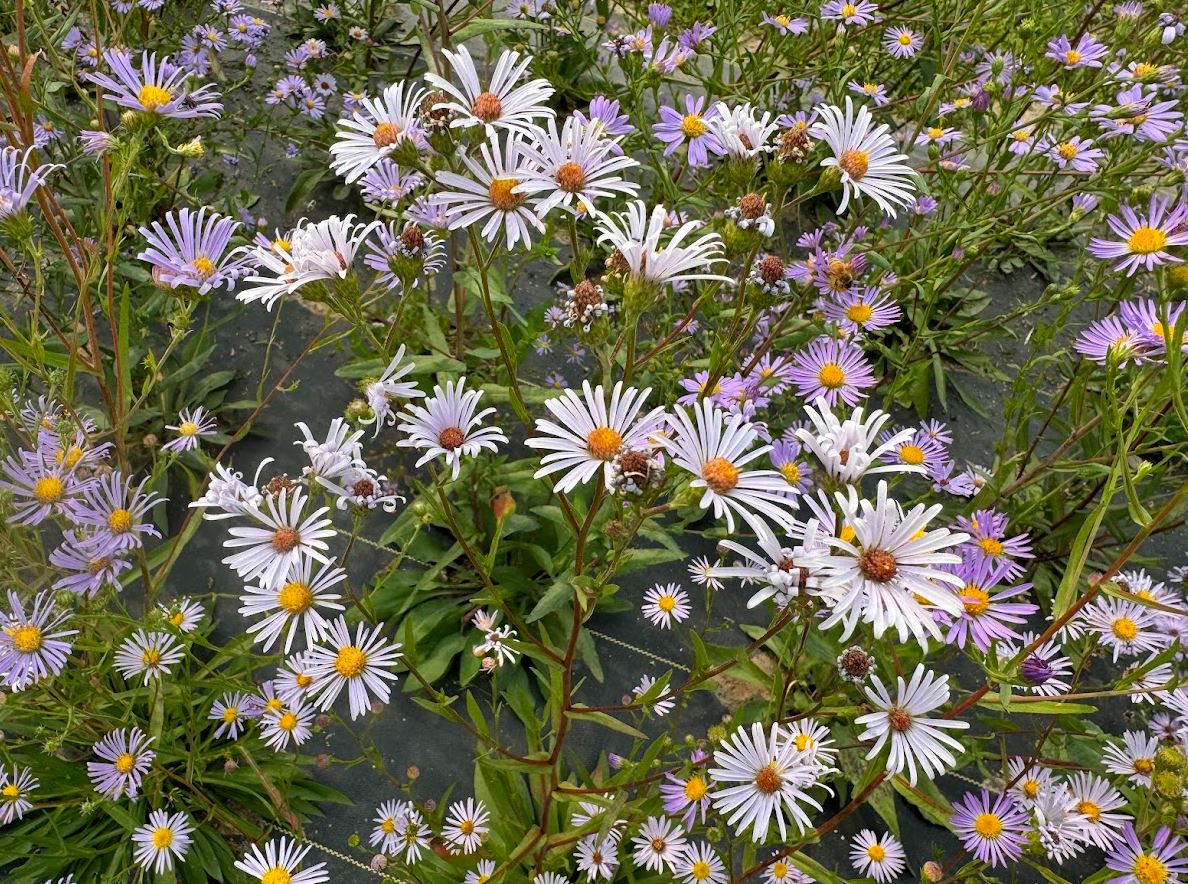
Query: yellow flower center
{"points": [[230, 714], [287, 722], [70, 457], [804, 741], [990, 546], [700, 870], [720, 474], [188, 428], [695, 788], [1089, 809], [847, 534], [988, 825], [1149, 870], [975, 599], [791, 473], [848, 9], [119, 521], [48, 490], [466, 827], [782, 20], [1124, 629], [1142, 69], [780, 871], [876, 853], [1021, 134], [693, 125], [151, 657], [962, 101], [1071, 56], [1144, 765], [831, 375], [26, 639], [388, 826], [276, 875], [502, 198], [911, 454], [153, 98], [385, 134], [854, 162], [178, 618], [604, 442], [162, 837], [935, 132], [859, 312], [1067, 150], [302, 680], [295, 598], [125, 762], [350, 661], [666, 603], [274, 704], [11, 791], [1146, 240], [203, 265], [905, 39]]}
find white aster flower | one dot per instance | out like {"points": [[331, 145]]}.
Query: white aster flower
{"points": [[501, 104], [294, 678], [915, 741], [588, 432], [638, 238], [663, 704], [363, 666], [782, 570], [492, 193], [1030, 779], [375, 130], [846, 447], [228, 495], [466, 826], [148, 654], [389, 820], [877, 856], [1095, 799], [665, 604], [449, 426], [1126, 627], [161, 840], [659, 845], [716, 450], [278, 863], [772, 776], [389, 386], [742, 131], [700, 865], [285, 536], [578, 165], [232, 712], [597, 859], [1134, 759], [183, 614], [289, 724], [866, 156], [1060, 827], [333, 456], [293, 604], [885, 574]]}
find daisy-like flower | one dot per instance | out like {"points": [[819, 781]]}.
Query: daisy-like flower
{"points": [[888, 573], [597, 859], [113, 507], [782, 872], [232, 712], [41, 487], [846, 447], [1045, 671], [449, 426], [1127, 628], [155, 87], [501, 104], [902, 42], [865, 155], [363, 666], [877, 856], [149, 655], [390, 386], [1143, 240], [183, 614], [288, 725], [492, 192], [831, 369], [662, 704], [16, 784], [786, 24], [988, 538], [764, 775], [386, 182], [191, 426], [744, 133], [1161, 862], [847, 12], [659, 844], [1028, 780], [126, 759], [783, 568], [915, 741], [876, 92], [164, 839], [812, 738], [33, 646], [579, 165], [642, 252], [694, 128], [285, 537], [190, 249], [937, 135], [860, 310], [277, 864], [389, 819], [1076, 153], [993, 830], [588, 432], [1086, 53], [1061, 830], [1096, 799], [716, 450], [403, 256], [18, 181], [375, 130], [1110, 340], [293, 604], [699, 864], [686, 797], [665, 604], [466, 826], [987, 615], [1134, 759]]}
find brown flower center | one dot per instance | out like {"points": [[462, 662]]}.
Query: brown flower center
{"points": [[877, 565], [720, 474], [752, 206], [570, 177], [899, 719], [768, 780], [285, 539], [854, 163], [385, 134], [487, 107], [450, 438]]}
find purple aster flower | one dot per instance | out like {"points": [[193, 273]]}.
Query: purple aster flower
{"points": [[692, 128], [91, 563], [73, 39], [696, 387], [877, 92], [327, 13], [659, 14], [848, 12], [1078, 153], [1083, 203], [112, 506], [937, 135], [994, 829], [96, 142], [360, 34], [988, 530], [18, 180], [32, 647], [686, 797], [126, 758], [693, 37], [861, 310], [1143, 240], [296, 59], [386, 182], [1152, 323], [1161, 862], [44, 131], [193, 250], [1109, 339], [41, 486], [429, 214], [155, 88], [605, 114], [557, 381], [785, 24], [211, 37], [311, 105], [918, 449], [786, 460], [190, 427], [924, 205], [1087, 53], [902, 42], [1138, 113], [325, 85], [1045, 671], [15, 786], [399, 251], [943, 480], [833, 369], [987, 613], [773, 373]]}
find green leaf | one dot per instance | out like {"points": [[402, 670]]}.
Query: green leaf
{"points": [[1040, 707], [607, 721], [554, 598]]}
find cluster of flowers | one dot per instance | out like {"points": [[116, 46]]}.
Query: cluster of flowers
{"points": [[1140, 332]]}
